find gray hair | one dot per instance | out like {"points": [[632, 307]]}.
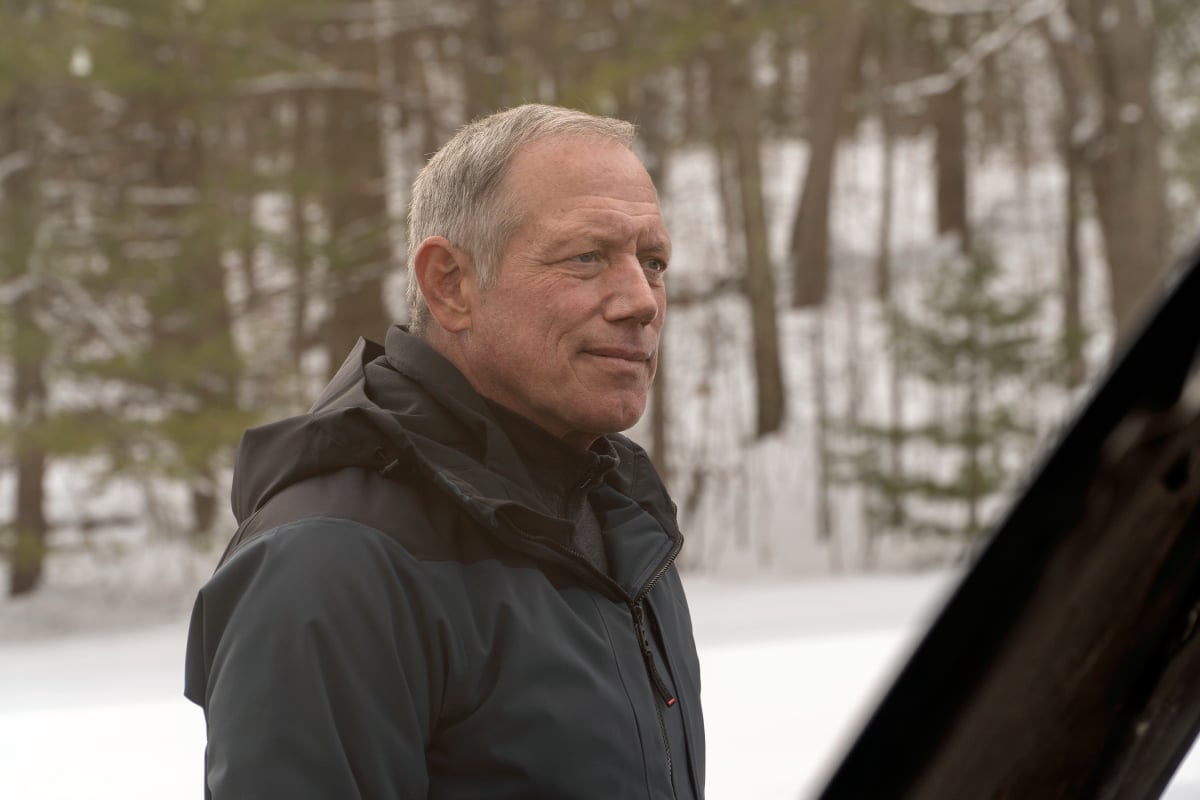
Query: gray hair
{"points": [[457, 194]]}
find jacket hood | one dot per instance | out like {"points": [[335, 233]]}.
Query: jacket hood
{"points": [[403, 408]]}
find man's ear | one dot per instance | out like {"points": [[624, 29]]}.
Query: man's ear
{"points": [[447, 278]]}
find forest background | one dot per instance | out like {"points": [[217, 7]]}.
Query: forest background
{"points": [[908, 233]]}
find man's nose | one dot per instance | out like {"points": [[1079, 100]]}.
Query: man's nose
{"points": [[632, 294]]}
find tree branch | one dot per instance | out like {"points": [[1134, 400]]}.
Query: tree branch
{"points": [[13, 163], [910, 92]]}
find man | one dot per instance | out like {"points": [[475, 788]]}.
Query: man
{"points": [[452, 578]]}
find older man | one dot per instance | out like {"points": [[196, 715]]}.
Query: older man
{"points": [[453, 577]]}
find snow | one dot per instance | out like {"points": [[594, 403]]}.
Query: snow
{"points": [[789, 670], [99, 717], [91, 668]]}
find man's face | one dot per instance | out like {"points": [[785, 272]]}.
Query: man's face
{"points": [[568, 334]]}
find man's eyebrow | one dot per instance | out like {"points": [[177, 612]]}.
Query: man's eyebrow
{"points": [[655, 244], [573, 235]]}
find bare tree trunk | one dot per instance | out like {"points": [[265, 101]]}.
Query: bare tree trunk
{"points": [[647, 113], [204, 507], [834, 61], [895, 445], [659, 418], [248, 125], [30, 550], [972, 428], [949, 115], [209, 326], [29, 348], [737, 108], [1072, 283], [727, 185], [1067, 68], [821, 452], [783, 106], [356, 207], [883, 239], [771, 400], [394, 140], [695, 110], [421, 105], [29, 398], [1126, 170], [884, 281], [301, 238], [193, 365], [483, 51]]}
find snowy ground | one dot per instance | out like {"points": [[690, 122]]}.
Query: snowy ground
{"points": [[789, 670]]}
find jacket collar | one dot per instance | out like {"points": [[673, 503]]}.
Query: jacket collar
{"points": [[405, 407]]}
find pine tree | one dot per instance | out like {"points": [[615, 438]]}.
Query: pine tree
{"points": [[967, 354]]}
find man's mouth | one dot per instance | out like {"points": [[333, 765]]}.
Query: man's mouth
{"points": [[625, 354]]}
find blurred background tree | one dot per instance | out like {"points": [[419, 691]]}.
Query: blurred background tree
{"points": [[202, 208], [971, 347]]}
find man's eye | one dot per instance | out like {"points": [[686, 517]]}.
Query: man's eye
{"points": [[655, 265], [586, 258]]}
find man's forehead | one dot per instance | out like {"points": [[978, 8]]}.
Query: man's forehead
{"points": [[568, 158], [611, 225]]}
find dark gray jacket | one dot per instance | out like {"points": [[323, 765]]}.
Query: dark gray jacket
{"points": [[402, 612]]}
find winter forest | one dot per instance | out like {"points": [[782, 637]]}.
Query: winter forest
{"points": [[908, 235]]}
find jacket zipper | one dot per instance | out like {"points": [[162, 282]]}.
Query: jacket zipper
{"points": [[647, 654], [639, 625], [669, 699], [581, 565]]}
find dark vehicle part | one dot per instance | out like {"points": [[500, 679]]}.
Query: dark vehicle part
{"points": [[1066, 664]]}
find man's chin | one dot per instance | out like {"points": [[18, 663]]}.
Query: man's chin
{"points": [[617, 420]]}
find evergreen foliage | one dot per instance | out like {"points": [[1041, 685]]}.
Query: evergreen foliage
{"points": [[199, 200], [967, 355]]}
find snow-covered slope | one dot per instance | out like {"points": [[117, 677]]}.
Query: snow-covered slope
{"points": [[790, 668]]}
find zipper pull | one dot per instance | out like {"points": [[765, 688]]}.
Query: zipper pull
{"points": [[648, 657]]}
